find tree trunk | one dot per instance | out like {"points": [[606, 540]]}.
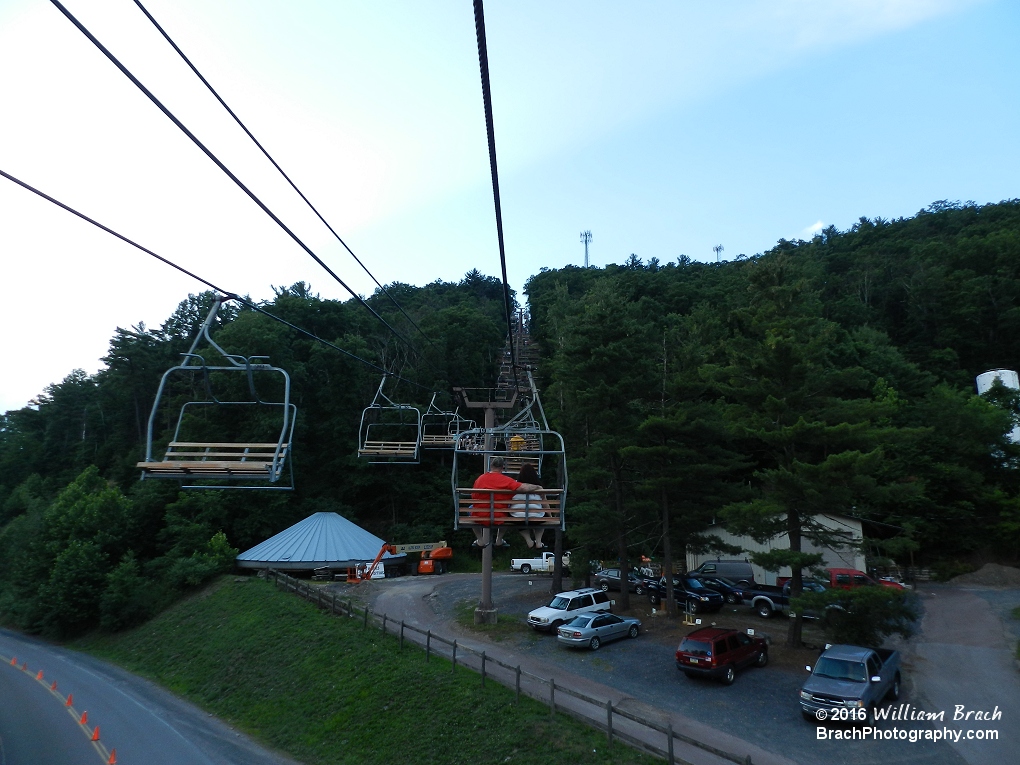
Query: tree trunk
{"points": [[667, 556], [621, 535], [793, 636]]}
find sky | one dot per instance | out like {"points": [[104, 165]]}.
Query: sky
{"points": [[664, 128]]}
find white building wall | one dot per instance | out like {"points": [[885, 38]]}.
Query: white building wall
{"points": [[844, 558]]}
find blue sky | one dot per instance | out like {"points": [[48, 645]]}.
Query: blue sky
{"points": [[663, 127]]}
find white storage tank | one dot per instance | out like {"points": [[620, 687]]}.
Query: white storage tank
{"points": [[1007, 377]]}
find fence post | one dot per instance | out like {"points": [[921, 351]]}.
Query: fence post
{"points": [[518, 689], [401, 634], [364, 624], [350, 607], [384, 624], [609, 721], [669, 744], [747, 759], [483, 669], [332, 608], [454, 656], [428, 644], [552, 697]]}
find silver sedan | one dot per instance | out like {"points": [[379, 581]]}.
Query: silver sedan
{"points": [[592, 630]]}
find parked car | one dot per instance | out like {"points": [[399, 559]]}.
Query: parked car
{"points": [[739, 571], [767, 600], [545, 562], [848, 682], [592, 630], [565, 606], [689, 592], [732, 593], [609, 579], [718, 653]]}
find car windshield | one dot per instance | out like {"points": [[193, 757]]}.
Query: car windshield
{"points": [[560, 604], [724, 580], [579, 621], [694, 584], [696, 647], [841, 669]]}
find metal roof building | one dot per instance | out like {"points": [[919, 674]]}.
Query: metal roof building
{"points": [[320, 540]]}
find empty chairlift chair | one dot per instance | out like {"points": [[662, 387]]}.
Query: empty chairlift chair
{"points": [[390, 432], [238, 438], [440, 429]]}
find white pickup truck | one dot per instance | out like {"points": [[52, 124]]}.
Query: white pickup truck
{"points": [[545, 563]]}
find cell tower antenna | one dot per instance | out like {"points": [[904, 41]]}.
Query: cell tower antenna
{"points": [[586, 238], [718, 249]]}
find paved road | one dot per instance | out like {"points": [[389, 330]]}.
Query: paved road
{"points": [[963, 657], [760, 708], [144, 723]]}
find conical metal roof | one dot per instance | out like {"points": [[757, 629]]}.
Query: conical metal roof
{"points": [[321, 539]]}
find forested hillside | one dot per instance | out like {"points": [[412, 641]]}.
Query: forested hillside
{"points": [[831, 375], [81, 532]]}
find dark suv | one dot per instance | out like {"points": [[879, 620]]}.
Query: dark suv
{"points": [[718, 653]]}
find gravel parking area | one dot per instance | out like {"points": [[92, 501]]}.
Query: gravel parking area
{"points": [[761, 707]]}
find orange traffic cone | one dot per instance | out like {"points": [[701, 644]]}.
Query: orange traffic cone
{"points": [[14, 661], [24, 666], [84, 718], [53, 686], [113, 758], [39, 675], [70, 700], [95, 733]]}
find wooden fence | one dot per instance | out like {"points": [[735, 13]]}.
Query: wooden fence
{"points": [[619, 723]]}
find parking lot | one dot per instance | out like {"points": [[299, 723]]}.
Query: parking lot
{"points": [[760, 707]]}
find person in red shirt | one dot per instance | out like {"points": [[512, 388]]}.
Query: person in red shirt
{"points": [[495, 479]]}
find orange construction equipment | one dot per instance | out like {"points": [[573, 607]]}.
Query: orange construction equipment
{"points": [[434, 557]]}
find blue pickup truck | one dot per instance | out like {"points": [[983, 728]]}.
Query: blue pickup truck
{"points": [[767, 600], [848, 682]]}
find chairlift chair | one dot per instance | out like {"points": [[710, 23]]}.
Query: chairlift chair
{"points": [[471, 456], [237, 463], [440, 429], [390, 432]]}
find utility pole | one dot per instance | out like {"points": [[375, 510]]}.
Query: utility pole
{"points": [[586, 238], [717, 249]]}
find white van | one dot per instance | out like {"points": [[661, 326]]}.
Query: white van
{"points": [[566, 606]]}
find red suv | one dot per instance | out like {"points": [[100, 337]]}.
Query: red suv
{"points": [[718, 653]]}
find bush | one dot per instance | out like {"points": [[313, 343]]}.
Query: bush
{"points": [[126, 600], [864, 616]]}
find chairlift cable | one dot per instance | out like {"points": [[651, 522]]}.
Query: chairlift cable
{"points": [[280, 169], [113, 59], [483, 66], [206, 282]]}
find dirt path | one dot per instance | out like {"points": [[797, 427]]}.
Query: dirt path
{"points": [[962, 657]]}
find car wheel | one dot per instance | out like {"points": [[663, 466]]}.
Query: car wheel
{"points": [[639, 590], [693, 606], [554, 627], [744, 583], [894, 689], [526, 569], [594, 643], [764, 610], [604, 586], [653, 598], [809, 717], [730, 676], [872, 717], [763, 658], [731, 599], [632, 632]]}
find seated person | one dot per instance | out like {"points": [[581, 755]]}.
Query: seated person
{"points": [[530, 506], [493, 504]]}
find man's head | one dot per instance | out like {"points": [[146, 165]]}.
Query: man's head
{"points": [[497, 464]]}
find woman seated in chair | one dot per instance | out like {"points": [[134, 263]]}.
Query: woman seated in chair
{"points": [[530, 506]]}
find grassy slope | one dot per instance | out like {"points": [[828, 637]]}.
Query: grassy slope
{"points": [[325, 691]]}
